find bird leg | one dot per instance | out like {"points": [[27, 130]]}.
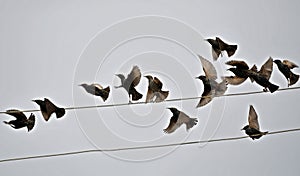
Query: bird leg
{"points": [[265, 89]]}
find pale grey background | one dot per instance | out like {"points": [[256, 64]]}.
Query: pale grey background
{"points": [[40, 48]]}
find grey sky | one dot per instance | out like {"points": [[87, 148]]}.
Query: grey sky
{"points": [[47, 48]]}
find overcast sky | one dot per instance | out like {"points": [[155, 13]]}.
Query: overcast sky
{"points": [[48, 48]]}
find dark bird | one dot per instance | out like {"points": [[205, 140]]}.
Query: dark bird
{"points": [[129, 83], [21, 120], [252, 130], [211, 87], [154, 92], [97, 90], [178, 119], [218, 46], [48, 108], [242, 72], [285, 68]]}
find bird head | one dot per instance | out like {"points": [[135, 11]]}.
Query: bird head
{"points": [[277, 61], [148, 77], [201, 77], [173, 110], [83, 85], [245, 127], [39, 102]]}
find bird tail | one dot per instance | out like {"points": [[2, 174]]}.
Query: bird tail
{"points": [[273, 87], [105, 93], [230, 49], [60, 112], [192, 122], [31, 122], [6, 122], [293, 79], [136, 95]]}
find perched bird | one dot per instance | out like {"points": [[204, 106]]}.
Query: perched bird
{"points": [[252, 130], [21, 120], [48, 108], [154, 92], [218, 46], [285, 68], [178, 119], [131, 82], [97, 90], [242, 72], [211, 87]]}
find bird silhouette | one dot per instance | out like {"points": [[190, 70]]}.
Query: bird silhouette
{"points": [[242, 72], [252, 129], [178, 119], [48, 108], [285, 68], [21, 120], [97, 90], [154, 92], [131, 82], [219, 45], [211, 87]]}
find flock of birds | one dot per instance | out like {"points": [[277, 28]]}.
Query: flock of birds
{"points": [[212, 88]]}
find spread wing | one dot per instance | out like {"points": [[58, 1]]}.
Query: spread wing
{"points": [[158, 83], [267, 68], [253, 118], [215, 53], [17, 114], [206, 97], [208, 68], [172, 125], [150, 95], [50, 108], [134, 76], [233, 80], [238, 64], [290, 64], [222, 44]]}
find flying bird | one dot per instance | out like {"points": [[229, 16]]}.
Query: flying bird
{"points": [[21, 120], [252, 130], [154, 92], [48, 108], [285, 68], [219, 45], [211, 87], [178, 119], [129, 83], [97, 90], [242, 72]]}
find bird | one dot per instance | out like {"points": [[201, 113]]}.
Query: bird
{"points": [[252, 129], [97, 90], [48, 108], [129, 83], [178, 119], [219, 45], [285, 68], [211, 87], [242, 72], [154, 92], [21, 120]]}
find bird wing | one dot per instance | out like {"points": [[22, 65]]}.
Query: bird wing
{"points": [[19, 115], [233, 80], [238, 64], [208, 68], [98, 86], [158, 83], [221, 43], [215, 53], [150, 95], [50, 108], [172, 125], [134, 76], [289, 64], [206, 97], [221, 88], [183, 118], [267, 68], [253, 118]]}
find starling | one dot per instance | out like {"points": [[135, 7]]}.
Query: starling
{"points": [[241, 71], [21, 120], [129, 83], [252, 130], [97, 90], [47, 108], [218, 46], [285, 68], [154, 92], [178, 119], [211, 87]]}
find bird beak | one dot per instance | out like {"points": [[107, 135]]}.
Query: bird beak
{"points": [[33, 100]]}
